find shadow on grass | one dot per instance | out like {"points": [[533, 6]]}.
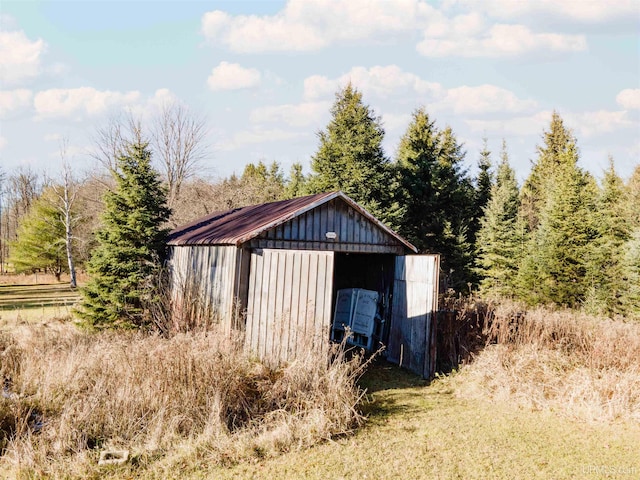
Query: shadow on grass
{"points": [[389, 391]]}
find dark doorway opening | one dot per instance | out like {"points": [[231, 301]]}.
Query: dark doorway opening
{"points": [[370, 272]]}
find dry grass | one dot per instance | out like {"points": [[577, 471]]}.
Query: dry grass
{"points": [[564, 361], [188, 399]]}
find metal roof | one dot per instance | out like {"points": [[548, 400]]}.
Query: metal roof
{"points": [[239, 225]]}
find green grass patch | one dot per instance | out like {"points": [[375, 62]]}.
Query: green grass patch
{"points": [[420, 431]]}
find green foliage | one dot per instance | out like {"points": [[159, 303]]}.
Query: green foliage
{"points": [[131, 244], [433, 197], [350, 156], [631, 275], [483, 185], [607, 259], [501, 235], [556, 267], [559, 148], [295, 185], [41, 238]]}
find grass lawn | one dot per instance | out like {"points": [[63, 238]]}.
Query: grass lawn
{"points": [[418, 431]]}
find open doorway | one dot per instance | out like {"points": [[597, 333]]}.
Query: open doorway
{"points": [[371, 272]]}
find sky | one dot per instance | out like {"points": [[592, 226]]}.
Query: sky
{"points": [[264, 74]]}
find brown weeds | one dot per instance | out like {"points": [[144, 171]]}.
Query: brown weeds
{"points": [[561, 360], [194, 397]]}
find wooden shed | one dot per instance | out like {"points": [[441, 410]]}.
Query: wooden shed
{"points": [[287, 263]]}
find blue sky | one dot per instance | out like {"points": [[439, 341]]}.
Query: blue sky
{"points": [[264, 74]]}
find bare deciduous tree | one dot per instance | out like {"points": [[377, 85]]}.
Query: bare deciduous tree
{"points": [[178, 140], [110, 141]]}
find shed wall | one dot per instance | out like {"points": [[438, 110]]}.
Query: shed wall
{"points": [[353, 231], [289, 302], [209, 270]]}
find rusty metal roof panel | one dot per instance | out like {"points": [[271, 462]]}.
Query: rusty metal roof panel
{"points": [[237, 226]]}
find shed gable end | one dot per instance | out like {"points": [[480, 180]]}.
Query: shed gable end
{"points": [[335, 226]]}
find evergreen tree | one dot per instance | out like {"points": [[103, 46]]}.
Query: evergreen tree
{"points": [[559, 144], [295, 185], [484, 183], [555, 268], [432, 195], [631, 275], [41, 238], [131, 244], [633, 198], [501, 235], [608, 286], [350, 156], [631, 249]]}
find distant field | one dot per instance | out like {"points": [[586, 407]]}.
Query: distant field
{"points": [[35, 303]]}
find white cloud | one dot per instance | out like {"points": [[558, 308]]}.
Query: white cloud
{"points": [[483, 99], [584, 124], [396, 122], [78, 103], [500, 40], [231, 76], [20, 57], [585, 11], [300, 115], [12, 101], [305, 25], [3, 142], [521, 125], [629, 98], [588, 124], [256, 136], [382, 81]]}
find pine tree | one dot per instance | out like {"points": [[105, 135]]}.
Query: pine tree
{"points": [[501, 236], [433, 196], [631, 275], [295, 185], [131, 244], [350, 156], [484, 183], [559, 142], [631, 249], [556, 266], [608, 287]]}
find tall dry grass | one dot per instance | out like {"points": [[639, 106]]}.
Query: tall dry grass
{"points": [[170, 401], [566, 361]]}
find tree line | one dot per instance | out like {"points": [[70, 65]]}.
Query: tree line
{"points": [[561, 238]]}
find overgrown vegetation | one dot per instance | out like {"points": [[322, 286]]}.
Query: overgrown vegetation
{"points": [[572, 363], [196, 398]]}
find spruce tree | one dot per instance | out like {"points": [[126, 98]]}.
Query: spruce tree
{"points": [[131, 244], [608, 286], [350, 156], [501, 236], [558, 145], [556, 266], [483, 185], [433, 196]]}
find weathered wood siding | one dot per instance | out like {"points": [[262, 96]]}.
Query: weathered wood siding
{"points": [[354, 232], [415, 297], [289, 302], [210, 270]]}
